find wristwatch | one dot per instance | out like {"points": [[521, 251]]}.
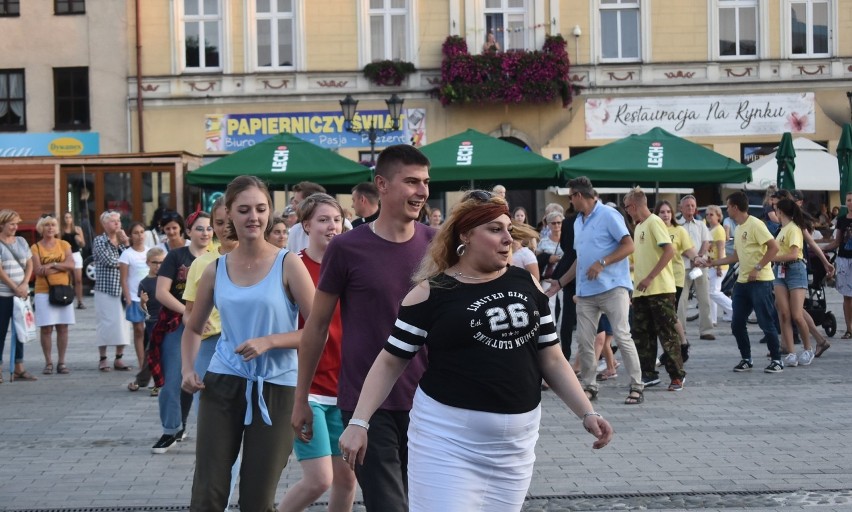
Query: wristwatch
{"points": [[602, 262], [758, 267]]}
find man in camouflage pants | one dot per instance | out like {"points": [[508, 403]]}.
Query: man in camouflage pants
{"points": [[654, 311]]}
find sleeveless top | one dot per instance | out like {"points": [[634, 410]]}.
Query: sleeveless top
{"points": [[71, 238], [251, 312]]}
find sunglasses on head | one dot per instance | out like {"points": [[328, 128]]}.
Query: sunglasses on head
{"points": [[479, 195]]}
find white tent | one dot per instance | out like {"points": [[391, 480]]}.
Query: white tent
{"points": [[816, 169]]}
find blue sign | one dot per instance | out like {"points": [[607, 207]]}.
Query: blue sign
{"points": [[49, 144]]}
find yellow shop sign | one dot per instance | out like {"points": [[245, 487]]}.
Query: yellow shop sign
{"points": [[65, 146]]}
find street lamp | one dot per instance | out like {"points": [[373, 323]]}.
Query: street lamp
{"points": [[349, 107]]}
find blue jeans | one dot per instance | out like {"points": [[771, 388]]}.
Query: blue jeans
{"points": [[170, 393], [756, 296], [6, 305]]}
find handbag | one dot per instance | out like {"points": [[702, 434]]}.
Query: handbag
{"points": [[24, 320], [59, 294]]}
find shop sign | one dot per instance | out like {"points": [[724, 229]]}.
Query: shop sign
{"points": [[49, 144], [233, 132], [755, 114]]}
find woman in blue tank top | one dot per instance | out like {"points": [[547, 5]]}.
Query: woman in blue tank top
{"points": [[259, 291]]}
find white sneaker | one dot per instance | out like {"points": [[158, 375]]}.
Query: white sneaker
{"points": [[791, 360], [601, 365], [727, 318], [806, 357]]}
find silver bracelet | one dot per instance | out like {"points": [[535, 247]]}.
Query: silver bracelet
{"points": [[361, 423], [593, 413]]}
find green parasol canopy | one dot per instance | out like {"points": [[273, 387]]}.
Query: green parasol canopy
{"points": [[844, 163], [284, 160], [472, 157], [655, 158], [785, 155]]}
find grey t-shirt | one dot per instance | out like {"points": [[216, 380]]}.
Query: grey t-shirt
{"points": [[14, 263]]}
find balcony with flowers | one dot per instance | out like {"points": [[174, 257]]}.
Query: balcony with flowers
{"points": [[513, 76]]}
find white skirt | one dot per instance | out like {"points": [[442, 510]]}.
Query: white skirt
{"points": [[461, 460], [48, 314], [78, 259], [112, 329]]}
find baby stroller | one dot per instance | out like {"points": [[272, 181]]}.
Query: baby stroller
{"points": [[815, 303]]}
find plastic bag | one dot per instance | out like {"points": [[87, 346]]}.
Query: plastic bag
{"points": [[24, 320]]}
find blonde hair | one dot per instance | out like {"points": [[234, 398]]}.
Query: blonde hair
{"points": [[153, 252], [45, 220], [7, 216], [714, 209], [441, 253], [636, 196]]}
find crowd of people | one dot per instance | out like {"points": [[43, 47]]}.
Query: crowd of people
{"points": [[304, 332]]}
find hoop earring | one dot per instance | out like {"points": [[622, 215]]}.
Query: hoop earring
{"points": [[460, 250]]}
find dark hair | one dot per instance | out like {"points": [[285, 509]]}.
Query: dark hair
{"points": [[194, 216], [790, 209], [393, 157], [308, 188], [236, 187], [368, 190], [582, 185], [740, 200], [134, 224], [659, 206], [172, 216]]}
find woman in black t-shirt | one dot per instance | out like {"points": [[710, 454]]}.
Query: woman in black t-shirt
{"points": [[491, 339]]}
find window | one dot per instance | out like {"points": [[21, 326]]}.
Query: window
{"points": [[506, 20], [388, 30], [809, 28], [69, 6], [275, 33], [10, 8], [202, 32], [737, 28], [12, 104], [71, 98], [620, 30]]}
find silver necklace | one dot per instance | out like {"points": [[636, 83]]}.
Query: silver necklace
{"points": [[459, 274]]}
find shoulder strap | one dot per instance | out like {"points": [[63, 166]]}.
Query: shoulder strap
{"points": [[14, 256], [46, 277]]}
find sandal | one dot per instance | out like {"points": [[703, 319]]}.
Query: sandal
{"points": [[80, 305], [103, 365], [133, 386], [48, 369], [591, 394], [606, 376], [119, 365], [635, 397], [846, 336], [24, 375], [62, 369], [822, 347]]}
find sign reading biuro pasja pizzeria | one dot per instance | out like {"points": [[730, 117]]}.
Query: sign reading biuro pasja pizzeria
{"points": [[757, 114]]}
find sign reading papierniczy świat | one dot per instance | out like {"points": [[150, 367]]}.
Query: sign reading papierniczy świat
{"points": [[757, 114]]}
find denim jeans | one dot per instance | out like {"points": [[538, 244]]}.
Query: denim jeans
{"points": [[170, 393], [6, 305], [755, 296]]}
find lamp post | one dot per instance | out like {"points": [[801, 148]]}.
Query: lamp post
{"points": [[349, 107]]}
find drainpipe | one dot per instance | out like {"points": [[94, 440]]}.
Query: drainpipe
{"points": [[139, 77]]}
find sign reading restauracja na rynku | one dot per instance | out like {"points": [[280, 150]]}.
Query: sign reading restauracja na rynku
{"points": [[233, 132], [755, 114]]}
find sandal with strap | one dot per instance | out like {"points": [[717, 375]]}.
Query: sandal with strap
{"points": [[133, 386], [24, 376], [62, 369], [635, 397], [48, 369], [103, 365], [591, 394], [846, 336], [822, 347], [119, 365]]}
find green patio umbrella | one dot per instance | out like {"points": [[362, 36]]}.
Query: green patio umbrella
{"points": [[655, 158], [844, 163], [283, 160], [473, 159], [785, 155]]}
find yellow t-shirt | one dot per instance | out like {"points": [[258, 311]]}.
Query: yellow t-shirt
{"points": [[55, 254], [192, 278], [649, 238], [681, 242], [749, 243], [717, 235], [790, 236]]}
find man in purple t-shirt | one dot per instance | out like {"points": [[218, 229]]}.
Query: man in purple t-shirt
{"points": [[369, 270]]}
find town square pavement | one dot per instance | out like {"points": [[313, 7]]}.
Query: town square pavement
{"points": [[729, 441]]}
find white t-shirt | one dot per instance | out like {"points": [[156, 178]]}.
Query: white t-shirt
{"points": [[523, 257], [137, 263]]}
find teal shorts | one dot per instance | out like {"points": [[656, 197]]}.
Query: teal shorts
{"points": [[328, 426]]}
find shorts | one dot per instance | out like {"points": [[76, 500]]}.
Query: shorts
{"points": [[844, 276], [604, 326], [328, 427], [795, 275], [78, 259], [134, 313]]}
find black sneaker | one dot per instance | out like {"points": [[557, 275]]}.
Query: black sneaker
{"points": [[163, 445], [684, 353], [744, 366], [181, 435], [650, 381], [774, 367]]}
